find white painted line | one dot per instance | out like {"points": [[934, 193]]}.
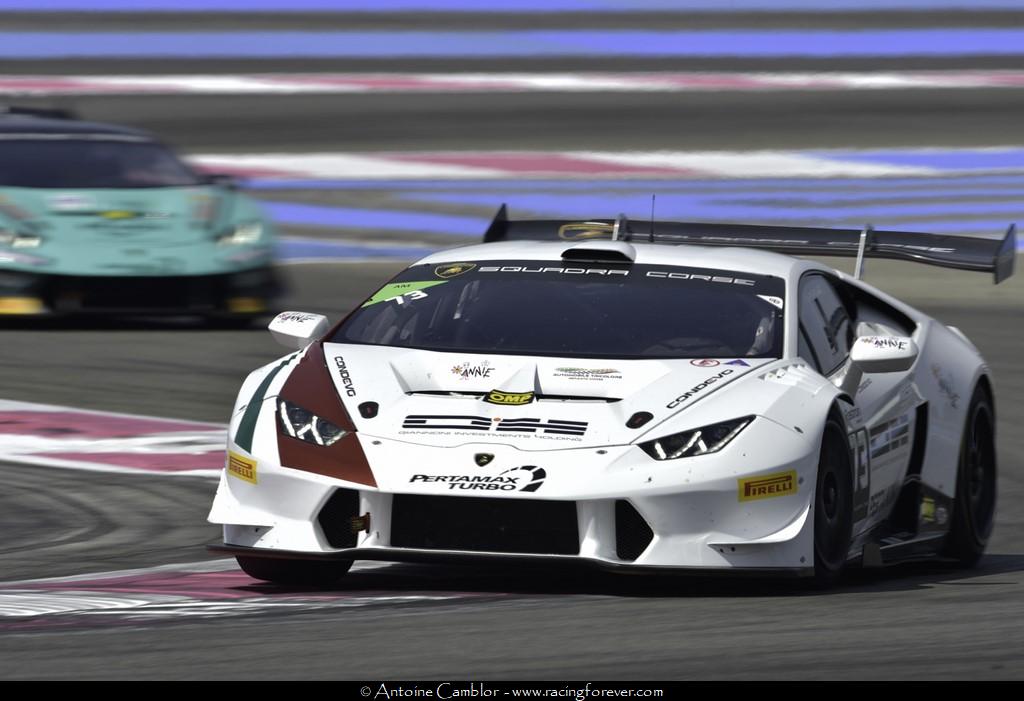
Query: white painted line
{"points": [[560, 82], [102, 441], [483, 165]]}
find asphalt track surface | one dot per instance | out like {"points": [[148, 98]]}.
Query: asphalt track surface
{"points": [[923, 622]]}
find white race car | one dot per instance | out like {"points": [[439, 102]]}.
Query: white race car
{"points": [[600, 396]]}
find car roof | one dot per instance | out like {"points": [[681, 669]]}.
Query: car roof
{"points": [[745, 260], [26, 125]]}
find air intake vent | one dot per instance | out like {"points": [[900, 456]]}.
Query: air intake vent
{"points": [[601, 251], [484, 525], [632, 534], [336, 518]]}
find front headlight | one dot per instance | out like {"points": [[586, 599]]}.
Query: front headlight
{"points": [[16, 240], [700, 441], [307, 426], [244, 233]]}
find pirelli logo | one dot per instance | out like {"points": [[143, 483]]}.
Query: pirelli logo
{"points": [[241, 467], [767, 486]]}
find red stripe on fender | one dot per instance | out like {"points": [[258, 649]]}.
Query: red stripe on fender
{"points": [[310, 387]]}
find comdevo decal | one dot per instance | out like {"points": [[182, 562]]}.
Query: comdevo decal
{"points": [[698, 388]]}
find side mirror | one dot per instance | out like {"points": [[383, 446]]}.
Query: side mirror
{"points": [[878, 354], [295, 330]]}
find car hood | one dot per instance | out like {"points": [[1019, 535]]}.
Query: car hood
{"points": [[440, 399], [142, 231]]}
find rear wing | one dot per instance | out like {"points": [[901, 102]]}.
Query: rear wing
{"points": [[996, 256]]}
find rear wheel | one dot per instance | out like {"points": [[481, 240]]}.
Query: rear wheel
{"points": [[281, 571], [833, 505], [974, 507]]}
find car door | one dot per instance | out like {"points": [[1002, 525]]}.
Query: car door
{"points": [[881, 422]]}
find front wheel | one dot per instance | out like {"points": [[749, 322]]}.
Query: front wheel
{"points": [[974, 508], [300, 572], [833, 505]]}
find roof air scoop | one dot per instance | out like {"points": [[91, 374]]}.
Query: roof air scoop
{"points": [[604, 251]]}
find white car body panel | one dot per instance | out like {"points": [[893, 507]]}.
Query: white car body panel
{"points": [[690, 504]]}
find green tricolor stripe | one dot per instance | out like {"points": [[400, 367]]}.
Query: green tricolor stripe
{"points": [[247, 426]]}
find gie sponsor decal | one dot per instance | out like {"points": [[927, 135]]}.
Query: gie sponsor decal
{"points": [[778, 484], [527, 478], [241, 467], [508, 398], [346, 379]]}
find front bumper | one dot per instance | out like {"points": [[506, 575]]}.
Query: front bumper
{"points": [[240, 292], [485, 559], [627, 511]]}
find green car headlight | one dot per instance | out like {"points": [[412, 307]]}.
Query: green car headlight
{"points": [[306, 426], [699, 441], [18, 240], [242, 234]]}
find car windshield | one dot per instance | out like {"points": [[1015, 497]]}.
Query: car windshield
{"points": [[90, 163], [574, 310]]}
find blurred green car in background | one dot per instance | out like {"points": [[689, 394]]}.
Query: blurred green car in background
{"points": [[98, 218]]}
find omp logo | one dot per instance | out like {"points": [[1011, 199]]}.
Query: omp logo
{"points": [[482, 423], [241, 467], [119, 214], [508, 398], [453, 269], [585, 230], [768, 486]]}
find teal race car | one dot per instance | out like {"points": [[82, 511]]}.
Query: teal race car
{"points": [[100, 218]]}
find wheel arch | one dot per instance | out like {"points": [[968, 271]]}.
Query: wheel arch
{"points": [[984, 381]]}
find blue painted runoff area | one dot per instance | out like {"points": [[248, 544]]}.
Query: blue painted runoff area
{"points": [[293, 249], [955, 42], [752, 185], [747, 207], [511, 6], [952, 160], [347, 217]]}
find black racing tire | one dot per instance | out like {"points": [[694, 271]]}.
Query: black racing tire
{"points": [[974, 506], [294, 572], [833, 505]]}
